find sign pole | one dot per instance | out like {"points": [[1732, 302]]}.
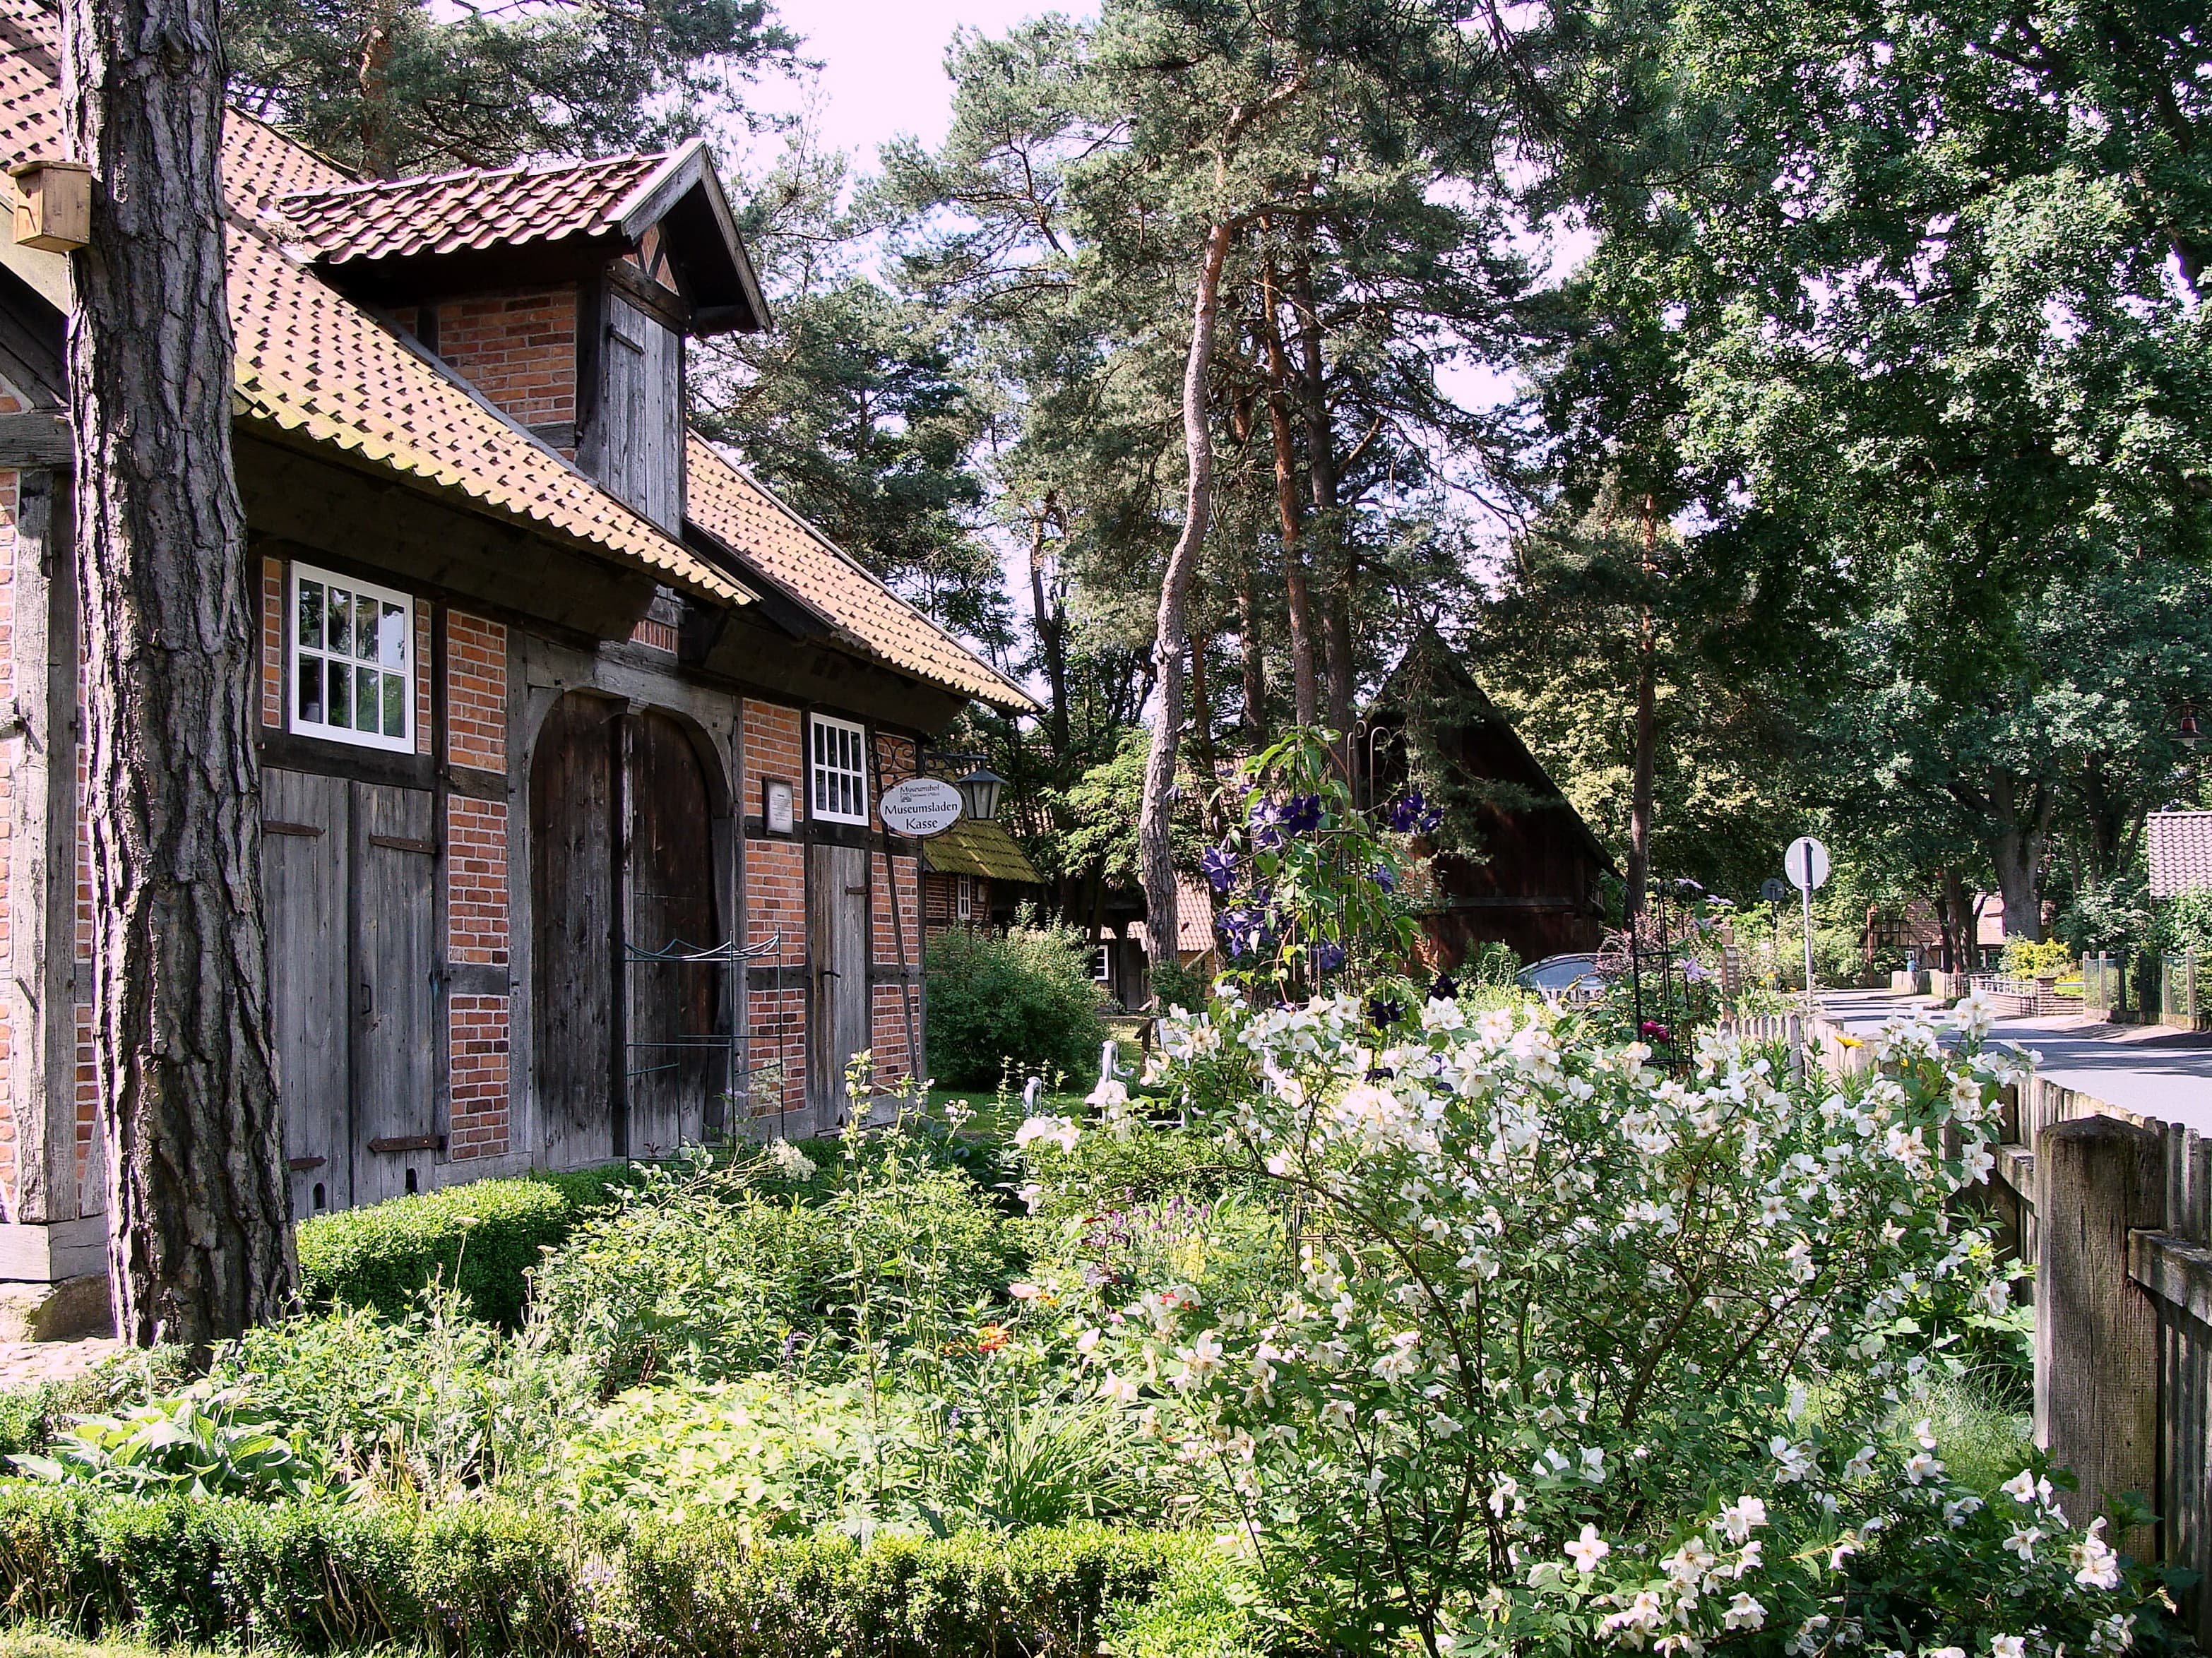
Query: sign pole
{"points": [[1805, 890]]}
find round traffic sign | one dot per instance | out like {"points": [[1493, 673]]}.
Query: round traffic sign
{"points": [[1806, 864], [921, 806], [1774, 891]]}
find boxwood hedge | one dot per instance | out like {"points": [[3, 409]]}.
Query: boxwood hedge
{"points": [[487, 1579]]}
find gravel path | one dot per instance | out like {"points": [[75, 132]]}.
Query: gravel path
{"points": [[22, 1363]]}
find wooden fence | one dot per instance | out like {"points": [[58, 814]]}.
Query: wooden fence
{"points": [[2113, 1209]]}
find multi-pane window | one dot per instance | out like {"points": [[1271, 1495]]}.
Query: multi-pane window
{"points": [[352, 661], [964, 904], [840, 771]]}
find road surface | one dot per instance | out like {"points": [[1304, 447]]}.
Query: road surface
{"points": [[2162, 1073]]}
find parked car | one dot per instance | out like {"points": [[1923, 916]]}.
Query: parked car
{"points": [[1571, 979]]}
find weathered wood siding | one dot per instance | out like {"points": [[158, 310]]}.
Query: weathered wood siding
{"points": [[632, 435], [837, 945]]}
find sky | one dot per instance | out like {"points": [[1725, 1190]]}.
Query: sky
{"points": [[883, 64]]}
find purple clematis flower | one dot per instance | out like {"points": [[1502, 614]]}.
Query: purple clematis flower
{"points": [[1328, 956], [1386, 878], [1412, 814], [1301, 813], [1220, 867]]}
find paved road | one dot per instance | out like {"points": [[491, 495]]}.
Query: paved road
{"points": [[2166, 1074]]}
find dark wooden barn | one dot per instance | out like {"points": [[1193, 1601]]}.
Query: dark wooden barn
{"points": [[1514, 862]]}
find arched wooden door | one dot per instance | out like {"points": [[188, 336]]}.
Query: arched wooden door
{"points": [[626, 1038]]}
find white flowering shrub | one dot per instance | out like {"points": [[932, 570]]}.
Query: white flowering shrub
{"points": [[1579, 1354]]}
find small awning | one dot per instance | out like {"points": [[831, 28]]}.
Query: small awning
{"points": [[970, 847]]}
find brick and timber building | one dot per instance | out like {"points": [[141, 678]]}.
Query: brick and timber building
{"points": [[571, 732]]}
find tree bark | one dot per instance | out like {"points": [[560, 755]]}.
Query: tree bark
{"points": [[1320, 476], [1305, 694], [1642, 762], [1170, 638], [1049, 615], [197, 1201], [2019, 833]]}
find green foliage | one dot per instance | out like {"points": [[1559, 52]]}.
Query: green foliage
{"points": [[391, 89], [30, 1416], [1024, 999], [1312, 882], [491, 1579], [2184, 923], [1175, 985], [1200, 1610], [204, 1443], [2027, 958], [703, 1273], [1103, 1171], [481, 1238]]}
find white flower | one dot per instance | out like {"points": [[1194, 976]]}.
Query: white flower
{"points": [[2113, 1634], [1026, 1292], [1795, 1460], [1642, 1616], [1110, 1096], [1118, 1388], [1740, 1517], [2009, 1646], [2096, 1565], [791, 1160], [1060, 1131], [1504, 1495], [1032, 1196], [1921, 1466], [1594, 1464], [1744, 1612], [1996, 1297], [1401, 1359], [1588, 1550], [1944, 1652], [2023, 1540], [2020, 1487], [1972, 1018], [1200, 1360], [1689, 1563]]}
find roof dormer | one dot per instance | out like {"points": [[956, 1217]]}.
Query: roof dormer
{"points": [[562, 292]]}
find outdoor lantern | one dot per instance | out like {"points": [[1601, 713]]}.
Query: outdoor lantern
{"points": [[979, 790], [2189, 736]]}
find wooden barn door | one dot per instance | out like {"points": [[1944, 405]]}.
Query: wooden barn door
{"points": [[675, 1074], [350, 878], [622, 868], [574, 943], [304, 845], [837, 946], [396, 974]]}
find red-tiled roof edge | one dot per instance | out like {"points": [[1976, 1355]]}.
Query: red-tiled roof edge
{"points": [[1017, 700]]}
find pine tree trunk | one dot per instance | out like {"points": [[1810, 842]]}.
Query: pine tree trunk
{"points": [[198, 1210], [1171, 638], [1336, 563], [1305, 693]]}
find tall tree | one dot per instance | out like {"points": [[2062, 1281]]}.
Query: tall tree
{"points": [[394, 87], [198, 1200]]}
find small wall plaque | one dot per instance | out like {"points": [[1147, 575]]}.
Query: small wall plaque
{"points": [[53, 205], [775, 806]]}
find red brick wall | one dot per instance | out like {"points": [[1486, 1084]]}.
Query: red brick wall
{"points": [[476, 692], [272, 642], [775, 902], [476, 888], [519, 348]]}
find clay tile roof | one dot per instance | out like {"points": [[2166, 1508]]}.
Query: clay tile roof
{"points": [[313, 364], [970, 847], [1193, 918], [778, 544], [2181, 853], [450, 211]]}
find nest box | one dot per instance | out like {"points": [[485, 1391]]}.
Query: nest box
{"points": [[53, 205]]}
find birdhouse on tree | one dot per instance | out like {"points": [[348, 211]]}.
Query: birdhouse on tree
{"points": [[53, 205]]}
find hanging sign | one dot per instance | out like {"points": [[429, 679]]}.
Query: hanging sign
{"points": [[921, 806], [1806, 861]]}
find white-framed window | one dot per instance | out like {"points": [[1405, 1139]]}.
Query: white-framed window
{"points": [[352, 661], [1101, 970], [963, 903], [838, 765]]}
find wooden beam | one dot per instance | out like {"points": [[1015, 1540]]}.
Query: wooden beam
{"points": [[37, 439], [326, 506]]}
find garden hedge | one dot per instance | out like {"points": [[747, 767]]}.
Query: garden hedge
{"points": [[486, 1579], [481, 1237]]}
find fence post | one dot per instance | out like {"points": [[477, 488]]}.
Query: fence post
{"points": [[2097, 1179]]}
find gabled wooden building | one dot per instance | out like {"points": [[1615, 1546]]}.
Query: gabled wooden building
{"points": [[1529, 874], [571, 733]]}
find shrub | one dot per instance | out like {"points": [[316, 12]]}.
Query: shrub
{"points": [[2026, 958], [489, 1579], [1101, 1171], [482, 1238], [1586, 1353], [204, 1443], [704, 1274], [1024, 998]]}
